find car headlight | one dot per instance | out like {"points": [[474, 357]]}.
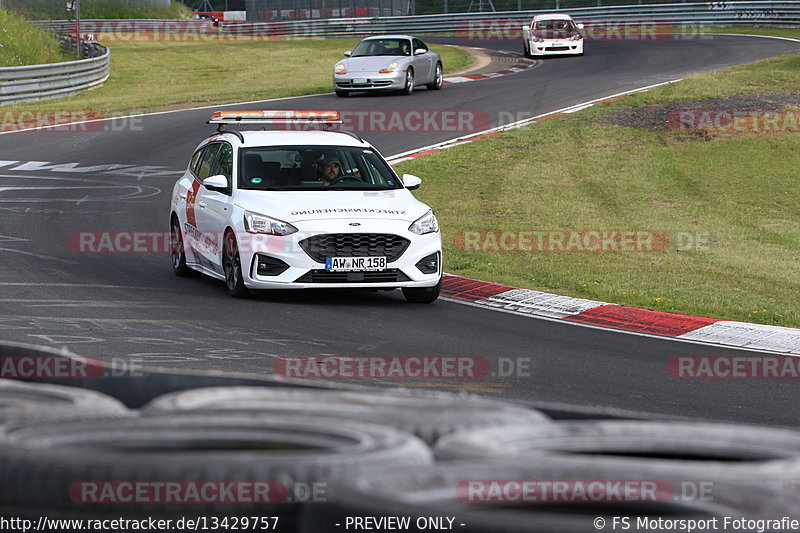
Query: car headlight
{"points": [[340, 68], [576, 37], [391, 67], [427, 223], [256, 223]]}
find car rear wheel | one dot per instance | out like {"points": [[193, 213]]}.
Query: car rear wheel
{"points": [[178, 250], [423, 295], [438, 79], [409, 86], [232, 266], [525, 51]]}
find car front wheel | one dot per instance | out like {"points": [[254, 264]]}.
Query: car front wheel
{"points": [[438, 79], [423, 295], [341, 94], [409, 86], [232, 266]]}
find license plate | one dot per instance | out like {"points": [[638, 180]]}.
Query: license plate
{"points": [[359, 80], [557, 44], [355, 264]]}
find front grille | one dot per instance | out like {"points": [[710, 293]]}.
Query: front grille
{"points": [[370, 83], [557, 48], [319, 247], [391, 275]]}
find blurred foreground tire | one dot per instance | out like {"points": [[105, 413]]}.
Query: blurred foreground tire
{"points": [[23, 401], [748, 454], [427, 415], [503, 497], [215, 465]]}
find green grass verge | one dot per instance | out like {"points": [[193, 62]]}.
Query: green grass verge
{"points": [[107, 9], [149, 76], [24, 44], [741, 191]]}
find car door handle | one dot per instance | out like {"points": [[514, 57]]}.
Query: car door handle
{"points": [[182, 195], [201, 204]]}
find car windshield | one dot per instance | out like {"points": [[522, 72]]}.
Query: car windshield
{"points": [[314, 168], [554, 25], [383, 47]]}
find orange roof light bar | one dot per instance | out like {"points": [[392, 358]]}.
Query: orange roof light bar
{"points": [[274, 117]]}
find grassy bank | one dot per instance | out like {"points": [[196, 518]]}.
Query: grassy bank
{"points": [[24, 44], [108, 9], [730, 203], [149, 75]]}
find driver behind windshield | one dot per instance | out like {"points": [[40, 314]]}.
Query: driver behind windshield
{"points": [[328, 169]]}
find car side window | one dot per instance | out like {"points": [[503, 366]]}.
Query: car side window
{"points": [[196, 159], [419, 44], [207, 161], [224, 164]]}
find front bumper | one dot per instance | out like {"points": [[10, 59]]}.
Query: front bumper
{"points": [[372, 81], [303, 272], [552, 47]]}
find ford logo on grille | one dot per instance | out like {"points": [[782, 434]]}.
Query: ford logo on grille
{"points": [[355, 223]]}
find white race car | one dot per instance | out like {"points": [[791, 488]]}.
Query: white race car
{"points": [[553, 34], [301, 209]]}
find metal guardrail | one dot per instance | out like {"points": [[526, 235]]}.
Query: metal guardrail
{"points": [[43, 82], [683, 14], [786, 13], [680, 15]]}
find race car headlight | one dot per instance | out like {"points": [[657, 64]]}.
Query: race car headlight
{"points": [[427, 223], [391, 67], [537, 39], [340, 68], [256, 223], [576, 37]]}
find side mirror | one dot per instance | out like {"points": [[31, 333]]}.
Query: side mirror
{"points": [[411, 182], [419, 51], [580, 26], [348, 53], [525, 28], [216, 183]]}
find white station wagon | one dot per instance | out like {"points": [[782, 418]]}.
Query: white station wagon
{"points": [[291, 209]]}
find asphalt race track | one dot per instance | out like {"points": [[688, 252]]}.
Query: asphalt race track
{"points": [[131, 306]]}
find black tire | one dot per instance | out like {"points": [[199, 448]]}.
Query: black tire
{"points": [[341, 94], [456, 491], [40, 463], [178, 250], [429, 415], [438, 79], [525, 52], [423, 295], [408, 88], [744, 453], [21, 401], [232, 267]]}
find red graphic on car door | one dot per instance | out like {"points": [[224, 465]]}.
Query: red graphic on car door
{"points": [[191, 196]]}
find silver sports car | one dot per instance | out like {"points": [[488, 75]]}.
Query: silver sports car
{"points": [[388, 62]]}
